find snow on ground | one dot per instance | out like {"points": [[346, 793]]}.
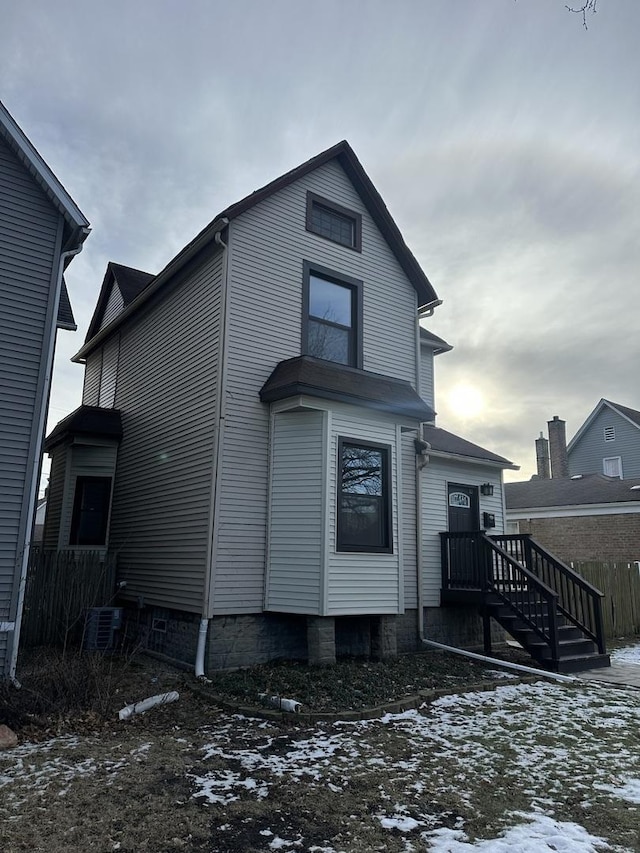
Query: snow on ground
{"points": [[630, 654]]}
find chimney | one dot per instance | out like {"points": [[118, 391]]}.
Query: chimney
{"points": [[558, 448], [542, 458]]}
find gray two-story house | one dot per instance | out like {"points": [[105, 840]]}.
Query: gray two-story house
{"points": [[41, 229], [257, 444], [608, 442]]}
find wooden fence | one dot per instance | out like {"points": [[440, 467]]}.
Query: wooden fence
{"points": [[61, 586], [620, 583]]}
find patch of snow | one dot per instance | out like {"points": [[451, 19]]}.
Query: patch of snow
{"points": [[400, 822], [539, 833], [630, 791], [630, 654]]}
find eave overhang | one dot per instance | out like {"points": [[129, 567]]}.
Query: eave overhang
{"points": [[89, 422]]}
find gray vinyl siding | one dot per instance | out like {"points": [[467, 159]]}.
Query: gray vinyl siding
{"points": [[409, 541], [109, 372], [268, 245], [55, 497], [115, 304], [166, 392], [435, 519], [587, 455], [92, 371], [29, 250], [84, 460], [360, 583], [296, 529], [426, 376]]}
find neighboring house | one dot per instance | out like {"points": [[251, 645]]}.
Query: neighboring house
{"points": [[608, 442], [256, 444], [585, 517], [41, 229], [38, 523]]}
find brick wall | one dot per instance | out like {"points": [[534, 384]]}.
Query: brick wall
{"points": [[593, 537]]}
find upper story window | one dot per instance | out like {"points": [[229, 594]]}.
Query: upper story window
{"points": [[612, 466], [332, 316], [334, 222], [610, 433]]}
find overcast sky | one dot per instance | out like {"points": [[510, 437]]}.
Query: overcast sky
{"points": [[503, 136]]}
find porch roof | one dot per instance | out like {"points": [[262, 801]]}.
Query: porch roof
{"points": [[449, 444], [89, 421]]}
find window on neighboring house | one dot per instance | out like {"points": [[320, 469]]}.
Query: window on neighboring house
{"points": [[610, 433], [334, 222], [612, 466], [332, 316], [364, 499], [90, 511]]}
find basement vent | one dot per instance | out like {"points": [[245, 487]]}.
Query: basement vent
{"points": [[610, 433], [100, 628]]}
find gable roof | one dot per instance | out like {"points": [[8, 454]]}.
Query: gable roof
{"points": [[344, 154], [314, 377], [131, 282], [569, 491], [630, 415], [77, 224], [444, 443]]}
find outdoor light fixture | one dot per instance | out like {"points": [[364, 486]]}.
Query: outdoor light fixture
{"points": [[486, 489]]}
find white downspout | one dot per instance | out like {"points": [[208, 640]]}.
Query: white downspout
{"points": [[35, 471], [216, 454]]}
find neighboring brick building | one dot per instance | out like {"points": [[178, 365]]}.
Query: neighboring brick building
{"points": [[588, 517]]}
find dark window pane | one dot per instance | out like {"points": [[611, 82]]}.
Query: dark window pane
{"points": [[361, 470], [334, 226], [329, 301], [363, 502], [90, 511], [329, 342]]}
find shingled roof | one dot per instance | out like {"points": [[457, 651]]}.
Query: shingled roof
{"points": [[346, 157], [65, 319], [572, 491], [449, 444], [631, 415], [438, 344], [130, 281], [86, 420], [314, 377]]}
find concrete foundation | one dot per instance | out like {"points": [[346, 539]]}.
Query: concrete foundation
{"points": [[384, 638], [321, 640]]}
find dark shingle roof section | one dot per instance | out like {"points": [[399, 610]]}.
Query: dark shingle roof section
{"points": [[438, 344], [327, 380], [131, 282], [443, 441], [632, 414], [588, 489], [65, 320], [86, 420]]}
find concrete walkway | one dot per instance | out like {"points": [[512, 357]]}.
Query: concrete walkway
{"points": [[624, 674]]}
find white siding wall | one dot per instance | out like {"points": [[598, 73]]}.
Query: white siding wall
{"points": [[268, 245], [92, 372], [296, 529], [115, 304], [435, 518], [55, 497], [426, 376], [30, 231], [363, 583], [166, 392], [109, 372], [84, 460], [409, 541]]}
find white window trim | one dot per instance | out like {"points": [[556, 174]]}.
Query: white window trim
{"points": [[618, 459]]}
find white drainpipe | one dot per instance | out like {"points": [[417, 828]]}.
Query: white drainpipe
{"points": [[35, 470], [217, 458]]}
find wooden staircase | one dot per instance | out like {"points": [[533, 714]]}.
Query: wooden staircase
{"points": [[553, 612]]}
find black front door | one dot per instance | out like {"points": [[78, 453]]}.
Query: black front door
{"points": [[463, 508], [462, 504]]}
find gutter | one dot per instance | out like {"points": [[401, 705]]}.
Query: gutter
{"points": [[459, 457], [65, 258], [427, 310]]}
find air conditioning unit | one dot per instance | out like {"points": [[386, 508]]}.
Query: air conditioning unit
{"points": [[100, 628]]}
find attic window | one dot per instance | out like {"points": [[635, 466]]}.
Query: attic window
{"points": [[610, 433], [334, 222]]}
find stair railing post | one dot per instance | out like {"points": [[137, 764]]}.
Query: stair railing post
{"points": [[444, 561], [599, 626], [553, 628]]}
